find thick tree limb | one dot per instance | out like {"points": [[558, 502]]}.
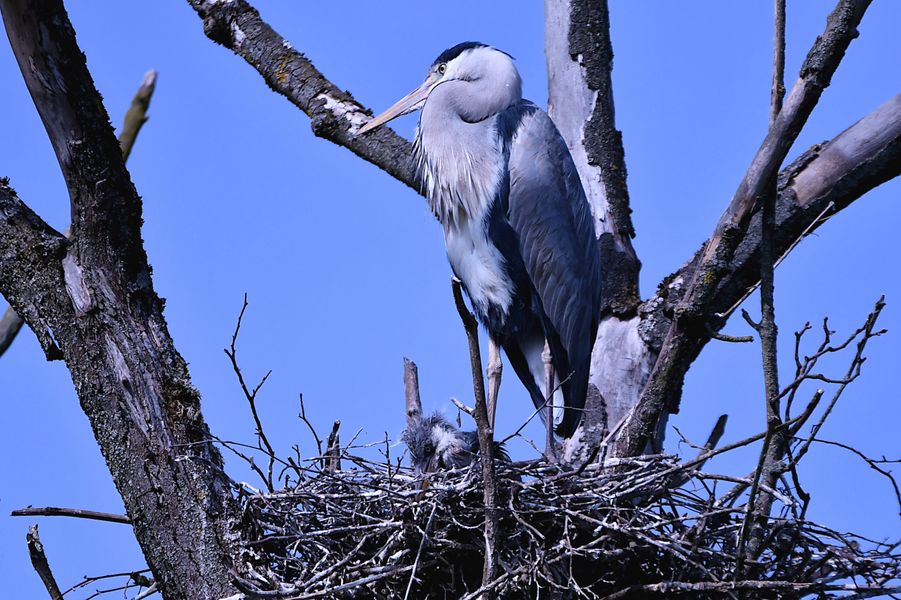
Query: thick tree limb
{"points": [[101, 193], [680, 346], [40, 563], [580, 100], [93, 300], [336, 116], [11, 323], [824, 180], [30, 266]]}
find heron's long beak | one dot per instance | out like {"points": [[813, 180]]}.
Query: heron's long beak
{"points": [[412, 101]]}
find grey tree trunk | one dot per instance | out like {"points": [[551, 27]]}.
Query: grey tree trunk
{"points": [[91, 302], [580, 101]]}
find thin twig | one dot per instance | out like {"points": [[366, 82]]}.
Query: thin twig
{"points": [[486, 439], [251, 396], [872, 462], [78, 513]]}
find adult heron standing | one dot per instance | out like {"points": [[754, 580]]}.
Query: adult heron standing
{"points": [[517, 225]]}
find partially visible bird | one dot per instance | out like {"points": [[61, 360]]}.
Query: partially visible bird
{"points": [[518, 228], [436, 445]]}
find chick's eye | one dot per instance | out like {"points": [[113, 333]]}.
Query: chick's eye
{"points": [[429, 449], [442, 68]]}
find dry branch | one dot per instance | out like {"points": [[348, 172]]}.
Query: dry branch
{"points": [[251, 397], [335, 115], [91, 301], [775, 442], [486, 440], [11, 323], [136, 115], [691, 316], [413, 401], [78, 513], [40, 564]]}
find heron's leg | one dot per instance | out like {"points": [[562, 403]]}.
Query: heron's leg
{"points": [[550, 451], [495, 367]]}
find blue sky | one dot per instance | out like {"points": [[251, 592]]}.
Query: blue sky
{"points": [[345, 267]]}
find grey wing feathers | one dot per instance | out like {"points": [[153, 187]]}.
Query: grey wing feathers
{"points": [[548, 210]]}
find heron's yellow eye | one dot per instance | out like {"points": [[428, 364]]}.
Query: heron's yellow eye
{"points": [[442, 68]]}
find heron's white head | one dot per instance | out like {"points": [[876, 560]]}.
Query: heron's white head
{"points": [[487, 82]]}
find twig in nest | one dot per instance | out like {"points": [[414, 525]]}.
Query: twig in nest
{"points": [[251, 395], [412, 398], [333, 449]]}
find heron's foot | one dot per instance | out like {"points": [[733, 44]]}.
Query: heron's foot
{"points": [[550, 447]]}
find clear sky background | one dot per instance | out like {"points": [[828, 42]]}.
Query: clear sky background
{"points": [[345, 267]]}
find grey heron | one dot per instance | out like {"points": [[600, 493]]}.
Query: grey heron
{"points": [[436, 445], [518, 228]]}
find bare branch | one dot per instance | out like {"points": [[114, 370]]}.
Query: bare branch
{"points": [[251, 396], [873, 464], [30, 265], [778, 90], [137, 114], [839, 172], [411, 392], [105, 205], [486, 439], [78, 513], [335, 115], [11, 323], [775, 443], [333, 449], [40, 564], [869, 331], [679, 587]]}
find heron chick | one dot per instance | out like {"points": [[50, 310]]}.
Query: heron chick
{"points": [[436, 445]]}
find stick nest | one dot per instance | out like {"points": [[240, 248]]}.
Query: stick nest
{"points": [[637, 528]]}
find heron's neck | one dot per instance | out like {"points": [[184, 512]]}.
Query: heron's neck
{"points": [[461, 164]]}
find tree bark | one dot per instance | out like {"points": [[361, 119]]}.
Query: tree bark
{"points": [[91, 302], [580, 101], [334, 113], [10, 322]]}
